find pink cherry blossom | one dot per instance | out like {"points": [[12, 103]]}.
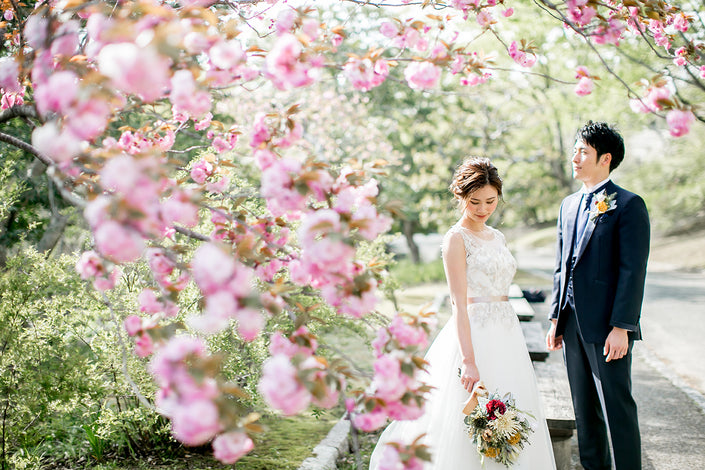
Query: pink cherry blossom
{"points": [[9, 75], [204, 123], [281, 345], [118, 243], [144, 346], [679, 121], [521, 57], [104, 283], [484, 18], [149, 303], [249, 323], [179, 209], [610, 33], [158, 262], [370, 421], [212, 267], [261, 132], [406, 334], [364, 74], [283, 66], [219, 185], [9, 100], [680, 22], [57, 93], [133, 325], [231, 446], [381, 341], [177, 349], [508, 12], [391, 460], [285, 20], [186, 97], [280, 387], [389, 29], [36, 31], [227, 54], [65, 41], [89, 265], [290, 137], [584, 86], [195, 422], [124, 63], [57, 144], [201, 170], [88, 119], [389, 381], [278, 187], [400, 411], [422, 75], [121, 174]]}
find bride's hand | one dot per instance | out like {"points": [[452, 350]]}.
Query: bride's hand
{"points": [[469, 375]]}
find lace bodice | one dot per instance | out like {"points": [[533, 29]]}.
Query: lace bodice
{"points": [[489, 272]]}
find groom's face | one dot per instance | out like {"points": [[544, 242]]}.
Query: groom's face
{"points": [[586, 167]]}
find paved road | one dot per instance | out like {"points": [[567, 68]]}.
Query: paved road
{"points": [[669, 366], [673, 316]]}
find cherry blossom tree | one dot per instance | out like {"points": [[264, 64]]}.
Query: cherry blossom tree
{"points": [[155, 118]]}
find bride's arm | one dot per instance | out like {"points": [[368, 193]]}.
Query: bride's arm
{"points": [[454, 265]]}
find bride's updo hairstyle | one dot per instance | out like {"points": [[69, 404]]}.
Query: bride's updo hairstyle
{"points": [[474, 173]]}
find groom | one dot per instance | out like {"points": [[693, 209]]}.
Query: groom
{"points": [[598, 287]]}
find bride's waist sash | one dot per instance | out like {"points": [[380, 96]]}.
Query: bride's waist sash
{"points": [[488, 298]]}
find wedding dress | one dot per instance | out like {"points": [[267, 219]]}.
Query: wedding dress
{"points": [[501, 358]]}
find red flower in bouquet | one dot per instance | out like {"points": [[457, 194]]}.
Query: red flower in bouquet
{"points": [[495, 405]]}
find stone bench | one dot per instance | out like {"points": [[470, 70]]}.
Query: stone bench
{"points": [[535, 340], [524, 310], [555, 394]]}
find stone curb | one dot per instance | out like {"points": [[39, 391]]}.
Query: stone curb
{"points": [[327, 452]]}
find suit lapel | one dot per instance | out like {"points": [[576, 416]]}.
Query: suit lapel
{"points": [[571, 213], [609, 188]]}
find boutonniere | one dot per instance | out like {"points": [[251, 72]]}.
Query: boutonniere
{"points": [[603, 203]]}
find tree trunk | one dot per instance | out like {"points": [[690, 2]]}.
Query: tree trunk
{"points": [[53, 233], [409, 226]]}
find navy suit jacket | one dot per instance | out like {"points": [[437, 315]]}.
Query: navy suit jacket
{"points": [[609, 274]]}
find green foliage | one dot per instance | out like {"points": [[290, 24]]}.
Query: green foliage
{"points": [[63, 396], [409, 274]]}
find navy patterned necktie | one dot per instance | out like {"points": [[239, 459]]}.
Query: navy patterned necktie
{"points": [[583, 215]]}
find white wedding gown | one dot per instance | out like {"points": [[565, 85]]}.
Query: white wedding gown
{"points": [[501, 357]]}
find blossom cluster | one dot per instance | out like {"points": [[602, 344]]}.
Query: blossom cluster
{"points": [[193, 404], [294, 376], [397, 388]]}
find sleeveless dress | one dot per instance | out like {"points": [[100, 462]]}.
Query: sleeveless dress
{"points": [[503, 362]]}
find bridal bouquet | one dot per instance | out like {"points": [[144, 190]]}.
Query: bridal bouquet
{"points": [[497, 427]]}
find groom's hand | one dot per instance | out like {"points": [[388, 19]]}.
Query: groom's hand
{"points": [[616, 344], [553, 342]]}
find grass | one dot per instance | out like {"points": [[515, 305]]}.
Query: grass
{"points": [[284, 445], [408, 274]]}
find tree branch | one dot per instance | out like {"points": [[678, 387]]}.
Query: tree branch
{"points": [[191, 234], [24, 110], [67, 195], [22, 145]]}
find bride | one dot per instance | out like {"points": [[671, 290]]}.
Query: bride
{"points": [[481, 341]]}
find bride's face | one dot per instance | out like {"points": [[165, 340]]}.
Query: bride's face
{"points": [[480, 204]]}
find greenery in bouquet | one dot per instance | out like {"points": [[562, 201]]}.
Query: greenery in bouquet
{"points": [[498, 428]]}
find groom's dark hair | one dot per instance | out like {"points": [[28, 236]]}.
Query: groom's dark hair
{"points": [[604, 139]]}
